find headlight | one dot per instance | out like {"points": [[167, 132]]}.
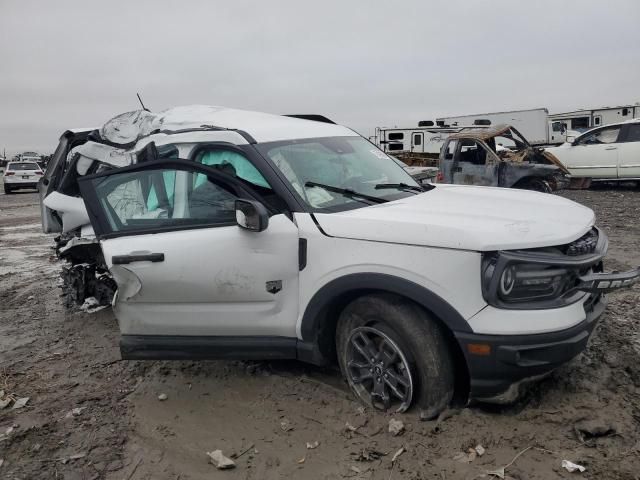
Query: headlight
{"points": [[521, 285], [528, 283], [542, 277]]}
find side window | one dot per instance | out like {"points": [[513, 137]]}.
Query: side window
{"points": [[633, 133], [417, 139], [234, 164], [163, 198], [472, 152], [580, 123], [604, 135], [396, 136]]}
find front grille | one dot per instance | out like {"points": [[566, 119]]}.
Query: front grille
{"points": [[584, 245]]}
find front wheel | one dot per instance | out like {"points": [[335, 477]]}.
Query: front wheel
{"points": [[394, 356], [538, 185]]}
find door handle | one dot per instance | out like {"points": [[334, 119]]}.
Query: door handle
{"points": [[142, 257], [611, 148]]}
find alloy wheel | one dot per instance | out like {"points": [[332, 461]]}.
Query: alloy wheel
{"points": [[378, 371]]}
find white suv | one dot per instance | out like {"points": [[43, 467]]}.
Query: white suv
{"points": [[234, 234], [21, 175], [611, 152]]}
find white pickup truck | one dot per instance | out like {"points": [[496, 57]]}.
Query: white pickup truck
{"points": [[235, 234]]}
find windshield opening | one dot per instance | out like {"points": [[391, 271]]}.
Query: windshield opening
{"points": [[351, 164], [506, 142]]}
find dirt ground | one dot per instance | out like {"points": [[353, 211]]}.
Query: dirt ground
{"points": [[120, 429]]}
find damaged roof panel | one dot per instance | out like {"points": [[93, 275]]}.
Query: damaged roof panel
{"points": [[482, 133], [128, 128]]}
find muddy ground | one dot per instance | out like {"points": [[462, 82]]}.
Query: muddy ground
{"points": [[120, 430]]}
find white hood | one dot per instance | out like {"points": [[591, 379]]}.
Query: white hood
{"points": [[468, 218]]}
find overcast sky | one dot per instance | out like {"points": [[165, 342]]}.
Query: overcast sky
{"points": [[363, 63]]}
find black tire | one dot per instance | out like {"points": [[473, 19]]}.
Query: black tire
{"points": [[7, 190], [538, 185], [422, 347]]}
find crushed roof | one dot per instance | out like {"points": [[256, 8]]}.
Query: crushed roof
{"points": [[129, 127]]}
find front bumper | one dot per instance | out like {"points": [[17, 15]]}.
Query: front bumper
{"points": [[499, 364]]}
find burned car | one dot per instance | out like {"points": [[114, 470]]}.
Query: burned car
{"points": [[221, 233], [499, 156]]}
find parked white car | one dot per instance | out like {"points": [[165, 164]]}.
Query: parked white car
{"points": [[21, 175], [611, 152], [235, 234]]}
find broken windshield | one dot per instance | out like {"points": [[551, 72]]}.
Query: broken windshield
{"points": [[350, 164]]}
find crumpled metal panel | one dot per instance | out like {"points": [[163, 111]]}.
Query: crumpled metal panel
{"points": [[481, 133], [127, 128], [118, 157]]}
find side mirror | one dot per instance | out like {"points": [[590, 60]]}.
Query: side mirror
{"points": [[251, 215]]}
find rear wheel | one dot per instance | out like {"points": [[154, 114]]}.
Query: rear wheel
{"points": [[7, 189], [394, 356]]}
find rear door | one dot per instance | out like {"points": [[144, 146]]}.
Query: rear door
{"points": [[184, 269], [629, 152]]}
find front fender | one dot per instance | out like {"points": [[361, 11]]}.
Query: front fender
{"points": [[349, 286]]}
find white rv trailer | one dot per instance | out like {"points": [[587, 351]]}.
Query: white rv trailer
{"points": [[582, 120], [533, 124], [536, 125], [426, 138]]}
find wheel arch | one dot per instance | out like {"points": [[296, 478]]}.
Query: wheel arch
{"points": [[527, 181], [321, 314]]}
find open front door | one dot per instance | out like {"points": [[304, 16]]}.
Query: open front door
{"points": [[191, 282]]}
